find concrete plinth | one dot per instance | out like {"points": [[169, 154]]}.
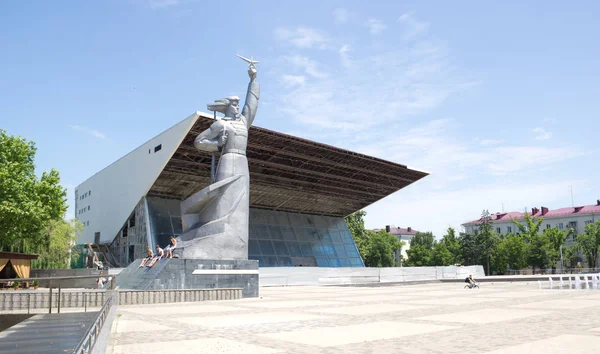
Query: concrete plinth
{"points": [[192, 274]]}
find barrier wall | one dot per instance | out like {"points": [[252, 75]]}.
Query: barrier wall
{"points": [[284, 276]]}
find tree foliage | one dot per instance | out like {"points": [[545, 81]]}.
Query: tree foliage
{"points": [[380, 249], [376, 248], [27, 203], [452, 244], [554, 239], [486, 238], [60, 235], [589, 243]]}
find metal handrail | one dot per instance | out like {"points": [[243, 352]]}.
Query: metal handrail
{"points": [[111, 279], [87, 343], [64, 277]]}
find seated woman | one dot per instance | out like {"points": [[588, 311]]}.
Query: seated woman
{"points": [[150, 255], [101, 281], [159, 254], [169, 249]]}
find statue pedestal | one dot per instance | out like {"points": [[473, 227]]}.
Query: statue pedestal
{"points": [[178, 273]]}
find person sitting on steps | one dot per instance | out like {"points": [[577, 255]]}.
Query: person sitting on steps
{"points": [[159, 254], [150, 255], [171, 247]]}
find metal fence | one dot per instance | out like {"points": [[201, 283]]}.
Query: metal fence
{"points": [[90, 339], [57, 289], [550, 271]]}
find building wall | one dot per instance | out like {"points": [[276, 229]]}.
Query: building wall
{"points": [[402, 255], [507, 226], [104, 202]]}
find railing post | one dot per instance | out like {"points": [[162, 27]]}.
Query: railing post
{"points": [[50, 300], [28, 302], [84, 302], [58, 297]]}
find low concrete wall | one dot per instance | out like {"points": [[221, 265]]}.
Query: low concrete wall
{"points": [[39, 299], [138, 297], [284, 276], [66, 283]]}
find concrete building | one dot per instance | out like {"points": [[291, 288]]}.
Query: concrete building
{"points": [[572, 217], [575, 218], [300, 191], [404, 235]]}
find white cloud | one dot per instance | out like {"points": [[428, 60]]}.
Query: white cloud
{"points": [[92, 132], [425, 209], [293, 80], [302, 37], [344, 58], [386, 103], [489, 142], [159, 4], [412, 27], [375, 26], [542, 134], [340, 15], [307, 65]]}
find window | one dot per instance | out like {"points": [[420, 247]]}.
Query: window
{"points": [[88, 207], [498, 230], [90, 192], [157, 148], [547, 226], [560, 226], [509, 228], [588, 222], [572, 224]]}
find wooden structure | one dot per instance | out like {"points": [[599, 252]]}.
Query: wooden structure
{"points": [[15, 265]]}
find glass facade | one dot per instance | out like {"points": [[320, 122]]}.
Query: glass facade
{"points": [[277, 239], [280, 239]]}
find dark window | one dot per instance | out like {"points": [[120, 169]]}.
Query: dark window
{"points": [[157, 148], [90, 193], [88, 207], [97, 238], [547, 226]]}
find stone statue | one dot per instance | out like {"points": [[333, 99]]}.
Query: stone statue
{"points": [[216, 219]]}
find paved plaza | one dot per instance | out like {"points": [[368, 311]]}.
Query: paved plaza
{"points": [[429, 318]]}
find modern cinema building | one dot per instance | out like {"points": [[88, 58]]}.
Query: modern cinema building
{"points": [[300, 192]]}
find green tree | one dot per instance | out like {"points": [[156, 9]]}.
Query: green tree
{"points": [[536, 249], [356, 225], [554, 239], [589, 243], [470, 249], [27, 204], [516, 251], [425, 239], [418, 256], [571, 257], [486, 237], [500, 256], [61, 235], [380, 249], [441, 255], [421, 250], [452, 244]]}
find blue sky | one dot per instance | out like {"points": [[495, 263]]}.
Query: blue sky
{"points": [[497, 100]]}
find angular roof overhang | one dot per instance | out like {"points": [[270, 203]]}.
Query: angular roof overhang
{"points": [[288, 173]]}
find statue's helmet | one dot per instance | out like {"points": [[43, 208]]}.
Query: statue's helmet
{"points": [[222, 104]]}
